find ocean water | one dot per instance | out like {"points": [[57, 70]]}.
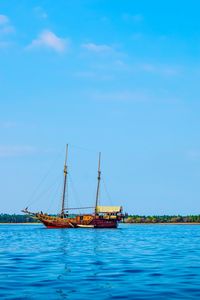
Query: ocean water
{"points": [[132, 262]]}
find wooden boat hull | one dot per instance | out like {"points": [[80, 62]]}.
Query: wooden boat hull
{"points": [[102, 223], [93, 222], [54, 222], [52, 225]]}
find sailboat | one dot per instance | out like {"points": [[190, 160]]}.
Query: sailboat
{"points": [[102, 216]]}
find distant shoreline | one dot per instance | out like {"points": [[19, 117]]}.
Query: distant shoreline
{"points": [[127, 219], [174, 223], [165, 223], [33, 223]]}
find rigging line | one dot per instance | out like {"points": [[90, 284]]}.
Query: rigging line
{"points": [[44, 192], [99, 201], [54, 196], [84, 148], [74, 191], [67, 195], [93, 193], [31, 200], [71, 208], [48, 192], [106, 190]]}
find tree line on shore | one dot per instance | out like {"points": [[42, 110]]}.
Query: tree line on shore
{"points": [[162, 219], [7, 218], [15, 218]]}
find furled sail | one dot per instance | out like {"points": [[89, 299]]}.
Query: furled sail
{"points": [[108, 209]]}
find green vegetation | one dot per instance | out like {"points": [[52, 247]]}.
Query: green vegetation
{"points": [[6, 218], [162, 219]]}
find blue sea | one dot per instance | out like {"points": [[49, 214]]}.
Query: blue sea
{"points": [[132, 262]]}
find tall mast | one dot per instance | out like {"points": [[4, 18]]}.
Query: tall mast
{"points": [[98, 183], [65, 183]]}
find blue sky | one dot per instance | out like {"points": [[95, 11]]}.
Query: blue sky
{"points": [[121, 77]]}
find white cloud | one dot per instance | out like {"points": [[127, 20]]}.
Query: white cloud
{"points": [[98, 48], [7, 29], [85, 74], [9, 151], [193, 154], [4, 44], [148, 68], [4, 20], [137, 18], [137, 36], [8, 125], [120, 96], [105, 20], [171, 71], [40, 13], [131, 96], [95, 75], [166, 70], [5, 26], [48, 39]]}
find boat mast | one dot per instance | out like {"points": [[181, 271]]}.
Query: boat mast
{"points": [[98, 183], [65, 183]]}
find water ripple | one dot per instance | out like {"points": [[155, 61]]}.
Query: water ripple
{"points": [[134, 262]]}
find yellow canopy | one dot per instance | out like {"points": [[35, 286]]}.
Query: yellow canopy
{"points": [[108, 209]]}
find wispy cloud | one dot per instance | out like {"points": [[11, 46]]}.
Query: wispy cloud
{"points": [[4, 44], [40, 12], [137, 18], [7, 30], [85, 74], [5, 25], [8, 125], [120, 96], [49, 40], [160, 69], [137, 36], [4, 19], [97, 48], [105, 20], [93, 75], [131, 96], [9, 151], [193, 154]]}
